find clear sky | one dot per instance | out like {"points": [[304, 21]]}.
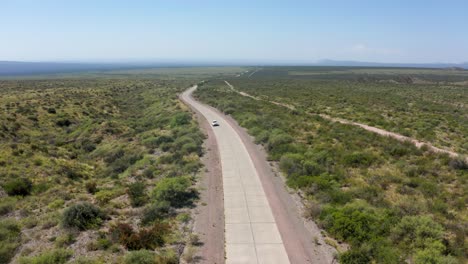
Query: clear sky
{"points": [[234, 31]]}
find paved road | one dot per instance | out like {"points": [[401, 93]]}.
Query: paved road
{"points": [[251, 232]]}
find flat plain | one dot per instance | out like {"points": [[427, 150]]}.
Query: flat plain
{"points": [[388, 200], [99, 167]]}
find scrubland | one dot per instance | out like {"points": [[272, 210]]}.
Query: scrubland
{"points": [[98, 170], [388, 200]]}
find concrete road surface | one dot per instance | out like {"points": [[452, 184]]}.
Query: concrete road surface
{"points": [[251, 232]]}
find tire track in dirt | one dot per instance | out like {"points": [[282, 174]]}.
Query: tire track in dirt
{"points": [[379, 131]]}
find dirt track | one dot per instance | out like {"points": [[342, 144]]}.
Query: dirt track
{"points": [[376, 130]]}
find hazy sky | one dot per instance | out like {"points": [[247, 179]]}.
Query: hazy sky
{"points": [[234, 31]]}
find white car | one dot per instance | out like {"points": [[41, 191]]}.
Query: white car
{"points": [[215, 123]]}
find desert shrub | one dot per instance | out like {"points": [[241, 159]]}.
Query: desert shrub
{"points": [[180, 119], [459, 163], [9, 239], [121, 164], [262, 137], [63, 123], [83, 216], [156, 211], [355, 222], [278, 138], [103, 243], [65, 240], [146, 238], [140, 257], [355, 256], [433, 255], [91, 187], [167, 256], [150, 257], [291, 164], [398, 150], [88, 260], [174, 190], [104, 196], [56, 204], [19, 186], [192, 166], [56, 256], [7, 205], [414, 232], [40, 187], [99, 244], [137, 194], [190, 148], [184, 217], [356, 159], [153, 142], [114, 154], [88, 145]]}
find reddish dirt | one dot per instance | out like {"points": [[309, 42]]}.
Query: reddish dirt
{"points": [[209, 214]]}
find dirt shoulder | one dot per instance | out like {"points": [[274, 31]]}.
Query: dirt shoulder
{"points": [[209, 214]]}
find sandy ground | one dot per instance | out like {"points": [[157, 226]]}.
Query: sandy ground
{"points": [[209, 214], [302, 239], [376, 130]]}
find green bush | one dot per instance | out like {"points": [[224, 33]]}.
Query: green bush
{"points": [[356, 159], [104, 196], [83, 216], [88, 260], [9, 239], [414, 232], [174, 190], [278, 138], [65, 240], [140, 257], [156, 211], [20, 186], [56, 256], [355, 256], [56, 204], [63, 123], [356, 222], [433, 256], [291, 164], [7, 205], [146, 238], [137, 194], [91, 187], [181, 119], [459, 163]]}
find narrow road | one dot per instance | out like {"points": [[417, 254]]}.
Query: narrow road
{"points": [[251, 232]]}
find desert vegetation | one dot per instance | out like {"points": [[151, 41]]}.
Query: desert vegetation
{"points": [[98, 170], [430, 105], [388, 200]]}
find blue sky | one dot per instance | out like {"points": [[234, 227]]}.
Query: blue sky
{"points": [[234, 31]]}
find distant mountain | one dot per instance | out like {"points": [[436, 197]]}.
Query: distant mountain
{"points": [[378, 64]]}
